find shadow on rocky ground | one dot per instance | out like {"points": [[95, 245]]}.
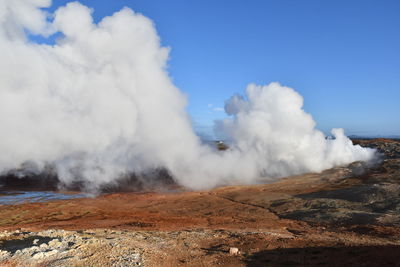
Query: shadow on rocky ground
{"points": [[370, 198], [327, 256]]}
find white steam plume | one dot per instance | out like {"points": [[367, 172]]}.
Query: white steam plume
{"points": [[99, 103]]}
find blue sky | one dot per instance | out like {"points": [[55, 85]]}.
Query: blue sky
{"points": [[342, 56]]}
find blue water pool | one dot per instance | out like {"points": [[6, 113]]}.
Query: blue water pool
{"points": [[20, 197]]}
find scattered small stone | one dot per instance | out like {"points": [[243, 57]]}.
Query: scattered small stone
{"points": [[234, 251], [44, 246], [38, 256], [68, 246], [51, 253], [4, 254]]}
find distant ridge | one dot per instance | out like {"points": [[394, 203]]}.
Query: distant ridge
{"points": [[374, 136]]}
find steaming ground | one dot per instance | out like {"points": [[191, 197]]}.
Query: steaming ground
{"points": [[99, 104]]}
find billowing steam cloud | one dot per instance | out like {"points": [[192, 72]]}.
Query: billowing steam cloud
{"points": [[99, 104]]}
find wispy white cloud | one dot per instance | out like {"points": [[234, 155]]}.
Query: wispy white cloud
{"points": [[213, 108], [219, 109]]}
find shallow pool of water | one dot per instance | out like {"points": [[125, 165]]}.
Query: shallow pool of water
{"points": [[20, 197]]}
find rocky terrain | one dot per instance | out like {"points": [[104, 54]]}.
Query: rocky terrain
{"points": [[343, 216], [390, 148]]}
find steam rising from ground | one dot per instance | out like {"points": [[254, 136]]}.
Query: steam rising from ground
{"points": [[99, 104]]}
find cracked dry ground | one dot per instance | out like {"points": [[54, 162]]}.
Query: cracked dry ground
{"points": [[343, 216]]}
